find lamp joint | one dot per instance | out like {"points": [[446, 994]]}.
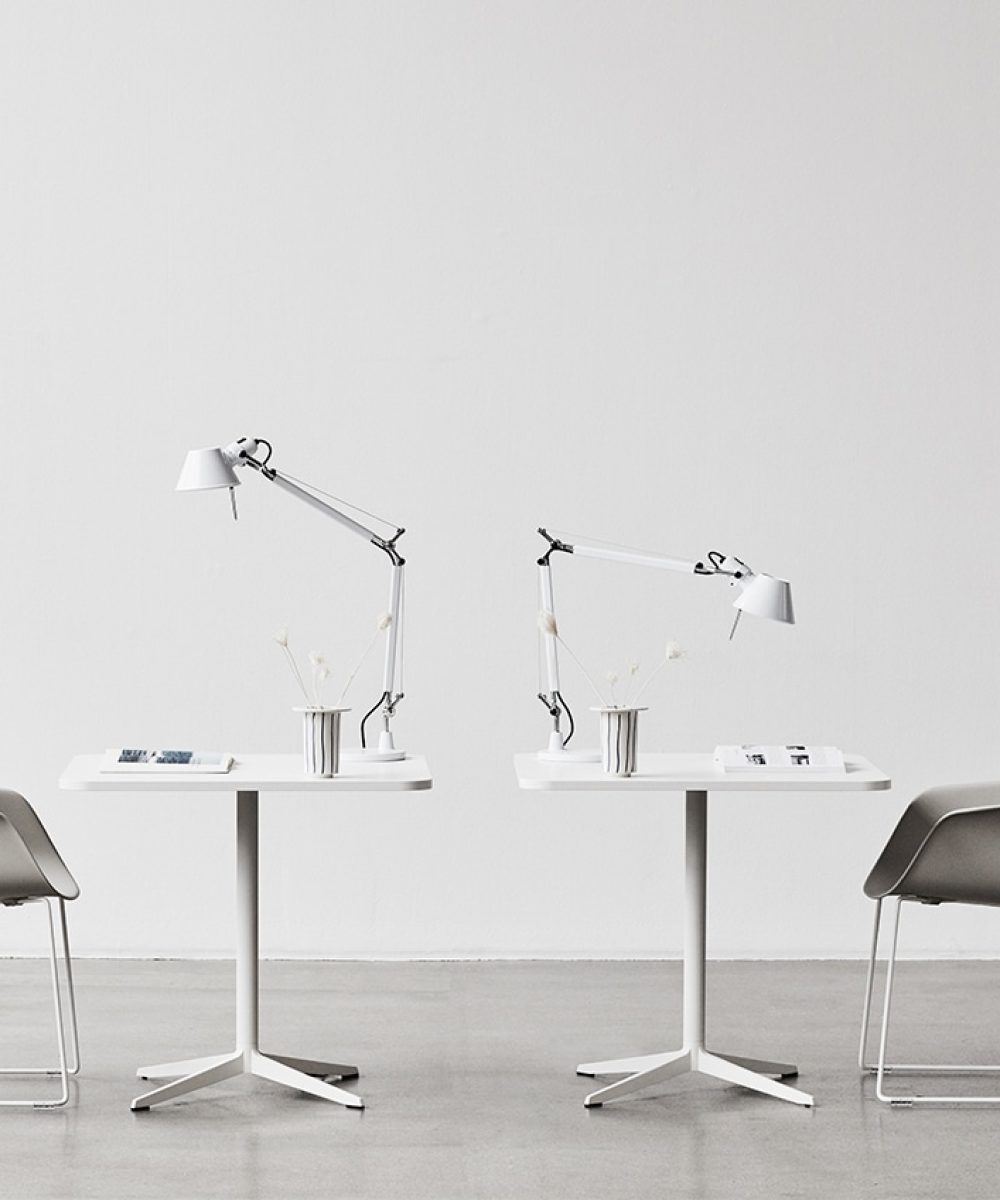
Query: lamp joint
{"points": [[554, 545], [258, 464], [389, 546], [717, 565]]}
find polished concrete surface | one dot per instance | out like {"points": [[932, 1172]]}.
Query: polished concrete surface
{"points": [[467, 1071]]}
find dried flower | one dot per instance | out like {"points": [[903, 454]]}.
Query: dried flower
{"points": [[671, 652], [321, 668], [547, 623], [321, 672], [633, 671], [281, 637]]}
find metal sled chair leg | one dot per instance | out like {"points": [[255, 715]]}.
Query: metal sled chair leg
{"points": [[943, 851]]}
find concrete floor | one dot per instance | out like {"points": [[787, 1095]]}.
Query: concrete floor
{"points": [[467, 1071]]}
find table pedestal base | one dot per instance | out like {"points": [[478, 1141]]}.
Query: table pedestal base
{"points": [[303, 1074], [647, 1069], [306, 1075]]}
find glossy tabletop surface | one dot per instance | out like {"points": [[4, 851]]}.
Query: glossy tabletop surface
{"points": [[690, 773], [253, 773]]}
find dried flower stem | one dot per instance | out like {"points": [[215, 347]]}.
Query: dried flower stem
{"points": [[633, 672], [586, 673], [649, 679], [360, 664], [297, 673], [673, 651]]}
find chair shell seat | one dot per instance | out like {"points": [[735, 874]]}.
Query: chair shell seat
{"points": [[945, 849]]}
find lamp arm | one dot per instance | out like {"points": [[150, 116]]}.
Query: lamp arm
{"points": [[394, 634], [718, 564], [552, 698], [657, 561], [242, 454], [388, 545], [390, 696], [391, 672], [547, 604], [715, 563]]}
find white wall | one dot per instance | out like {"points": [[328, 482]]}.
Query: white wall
{"points": [[679, 274]]}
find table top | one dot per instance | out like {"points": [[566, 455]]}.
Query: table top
{"points": [[253, 773], [692, 773]]}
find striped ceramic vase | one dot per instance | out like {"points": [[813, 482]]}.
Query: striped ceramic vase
{"points": [[321, 740], [620, 740]]}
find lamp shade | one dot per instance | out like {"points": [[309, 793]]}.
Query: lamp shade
{"points": [[766, 596], [204, 469]]}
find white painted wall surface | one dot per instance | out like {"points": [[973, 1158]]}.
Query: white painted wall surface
{"points": [[682, 275]]}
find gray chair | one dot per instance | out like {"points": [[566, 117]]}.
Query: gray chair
{"points": [[945, 850], [32, 871]]}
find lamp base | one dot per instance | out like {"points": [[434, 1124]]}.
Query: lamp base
{"points": [[570, 756], [385, 751], [370, 755], [555, 751]]}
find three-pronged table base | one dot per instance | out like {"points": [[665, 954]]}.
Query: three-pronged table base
{"points": [[647, 1069], [304, 1074]]}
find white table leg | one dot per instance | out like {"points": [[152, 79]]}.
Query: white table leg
{"points": [[678, 1063], [762, 1066], [184, 1066], [725, 1069], [626, 1066], [247, 1059], [312, 1066], [648, 1069], [230, 1066], [266, 1067]]}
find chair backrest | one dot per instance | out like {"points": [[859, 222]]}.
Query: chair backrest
{"points": [[946, 847], [30, 866]]}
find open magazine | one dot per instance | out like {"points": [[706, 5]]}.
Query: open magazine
{"points": [[166, 761], [792, 759]]}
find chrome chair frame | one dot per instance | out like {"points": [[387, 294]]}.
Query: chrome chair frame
{"points": [[69, 1056]]}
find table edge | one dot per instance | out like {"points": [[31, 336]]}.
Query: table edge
{"points": [[866, 779], [231, 781]]}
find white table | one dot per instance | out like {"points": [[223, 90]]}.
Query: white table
{"points": [[696, 775], [250, 775]]}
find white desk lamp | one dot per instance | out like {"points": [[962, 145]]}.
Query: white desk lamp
{"points": [[759, 594], [215, 467]]}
